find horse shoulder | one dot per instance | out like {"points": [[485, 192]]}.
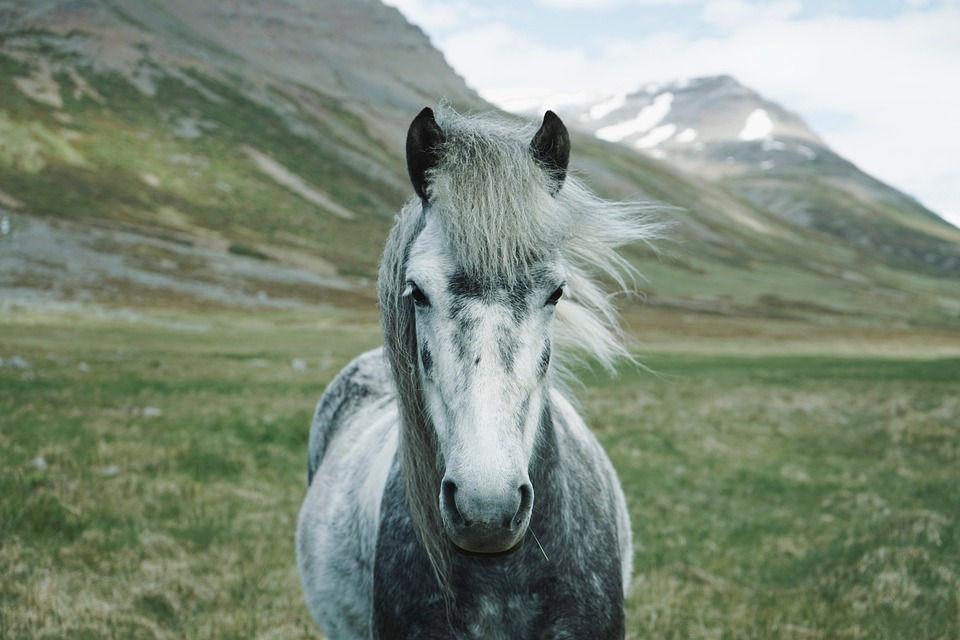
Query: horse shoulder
{"points": [[353, 441], [362, 381], [590, 456]]}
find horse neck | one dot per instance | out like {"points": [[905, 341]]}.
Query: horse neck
{"points": [[544, 468]]}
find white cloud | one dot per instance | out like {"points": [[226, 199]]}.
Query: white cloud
{"points": [[735, 13], [433, 15], [594, 4], [494, 56]]}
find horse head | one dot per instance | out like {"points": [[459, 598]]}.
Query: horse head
{"points": [[484, 277]]}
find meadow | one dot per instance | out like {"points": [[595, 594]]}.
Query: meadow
{"points": [[152, 464]]}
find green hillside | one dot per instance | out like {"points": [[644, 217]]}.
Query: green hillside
{"points": [[198, 159], [184, 160]]}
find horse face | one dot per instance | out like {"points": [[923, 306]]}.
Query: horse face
{"points": [[484, 352]]}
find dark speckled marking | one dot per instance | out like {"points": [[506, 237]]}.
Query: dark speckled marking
{"points": [[464, 287], [461, 341], [466, 325], [517, 300], [515, 295], [508, 349], [427, 359], [463, 336], [461, 285]]}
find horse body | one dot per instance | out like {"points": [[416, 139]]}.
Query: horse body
{"points": [[454, 492], [353, 443], [362, 564]]}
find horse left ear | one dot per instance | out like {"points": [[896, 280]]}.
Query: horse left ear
{"points": [[423, 139], [551, 148]]}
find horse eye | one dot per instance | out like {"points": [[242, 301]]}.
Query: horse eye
{"points": [[555, 296], [419, 297]]}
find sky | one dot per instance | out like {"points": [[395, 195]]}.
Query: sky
{"points": [[878, 80]]}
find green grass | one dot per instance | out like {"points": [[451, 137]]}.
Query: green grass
{"points": [[789, 496], [121, 158], [174, 465], [773, 496]]}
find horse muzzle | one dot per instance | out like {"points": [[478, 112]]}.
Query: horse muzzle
{"points": [[485, 523]]}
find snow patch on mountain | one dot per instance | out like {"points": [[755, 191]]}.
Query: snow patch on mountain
{"points": [[657, 136], [606, 107], [712, 126], [649, 117], [757, 127]]}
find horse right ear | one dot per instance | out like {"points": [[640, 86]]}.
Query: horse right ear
{"points": [[423, 141], [551, 148]]}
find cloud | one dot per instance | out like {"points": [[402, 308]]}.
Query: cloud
{"points": [[498, 56], [734, 13], [594, 4], [436, 15]]}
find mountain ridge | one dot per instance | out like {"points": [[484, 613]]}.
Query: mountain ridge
{"points": [[230, 154], [716, 128]]}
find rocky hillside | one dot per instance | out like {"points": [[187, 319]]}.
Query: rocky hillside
{"points": [[681, 120], [239, 152], [250, 131]]}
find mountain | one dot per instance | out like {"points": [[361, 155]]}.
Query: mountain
{"points": [[242, 153], [215, 130], [683, 119], [717, 129]]}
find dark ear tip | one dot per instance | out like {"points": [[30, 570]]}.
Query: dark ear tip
{"points": [[423, 136], [423, 124], [551, 148], [553, 122]]}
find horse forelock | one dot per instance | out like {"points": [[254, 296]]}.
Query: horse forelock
{"points": [[501, 213], [491, 198]]}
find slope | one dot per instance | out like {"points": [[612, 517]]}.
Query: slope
{"points": [[261, 131], [236, 153]]}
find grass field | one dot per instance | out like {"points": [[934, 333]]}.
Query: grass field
{"points": [[152, 465]]}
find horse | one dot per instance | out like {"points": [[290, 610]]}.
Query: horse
{"points": [[453, 489]]}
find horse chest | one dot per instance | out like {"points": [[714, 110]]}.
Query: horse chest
{"points": [[519, 597], [501, 615], [548, 609]]}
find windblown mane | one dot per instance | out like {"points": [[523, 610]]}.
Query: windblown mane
{"points": [[496, 209], [501, 212]]}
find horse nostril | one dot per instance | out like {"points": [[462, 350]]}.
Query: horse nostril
{"points": [[448, 496], [526, 503]]}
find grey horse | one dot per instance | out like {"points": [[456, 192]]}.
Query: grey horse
{"points": [[454, 491]]}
